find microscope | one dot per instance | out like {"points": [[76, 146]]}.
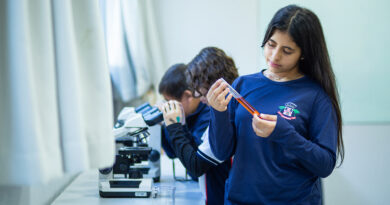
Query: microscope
{"points": [[137, 160]]}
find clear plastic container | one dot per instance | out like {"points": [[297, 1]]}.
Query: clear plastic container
{"points": [[166, 194]]}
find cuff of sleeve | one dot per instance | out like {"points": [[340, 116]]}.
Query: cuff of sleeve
{"points": [[172, 129], [283, 131], [218, 115]]}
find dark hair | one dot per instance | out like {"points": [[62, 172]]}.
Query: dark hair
{"points": [[305, 29], [208, 66], [174, 83]]}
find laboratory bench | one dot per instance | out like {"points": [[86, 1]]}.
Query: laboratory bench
{"points": [[84, 189]]}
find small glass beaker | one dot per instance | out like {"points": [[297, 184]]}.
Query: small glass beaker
{"points": [[166, 194]]}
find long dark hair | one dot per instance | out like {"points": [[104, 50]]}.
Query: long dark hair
{"points": [[305, 29]]}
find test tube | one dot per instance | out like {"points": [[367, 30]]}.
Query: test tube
{"points": [[241, 100]]}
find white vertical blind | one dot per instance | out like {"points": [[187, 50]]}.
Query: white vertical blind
{"points": [[134, 50], [56, 101]]}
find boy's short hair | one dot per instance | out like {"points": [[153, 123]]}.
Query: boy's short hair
{"points": [[174, 83]]}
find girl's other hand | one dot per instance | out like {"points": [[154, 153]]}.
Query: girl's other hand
{"points": [[265, 125]]}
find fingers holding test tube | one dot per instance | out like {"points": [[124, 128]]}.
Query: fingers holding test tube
{"points": [[263, 125], [216, 96]]}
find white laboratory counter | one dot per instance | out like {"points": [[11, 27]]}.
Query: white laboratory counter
{"points": [[84, 190]]}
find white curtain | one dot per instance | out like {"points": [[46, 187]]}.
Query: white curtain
{"points": [[56, 101], [134, 52]]}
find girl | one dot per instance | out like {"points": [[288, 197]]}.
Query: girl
{"points": [[280, 155]]}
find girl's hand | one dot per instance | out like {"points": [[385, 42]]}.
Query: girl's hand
{"points": [[216, 96], [263, 127], [173, 112]]}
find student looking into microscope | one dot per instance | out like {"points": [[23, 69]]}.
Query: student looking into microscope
{"points": [[208, 66]]}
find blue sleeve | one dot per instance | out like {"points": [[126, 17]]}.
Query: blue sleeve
{"points": [[222, 132], [318, 155], [200, 127], [166, 143], [186, 150]]}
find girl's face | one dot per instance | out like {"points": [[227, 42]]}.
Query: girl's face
{"points": [[282, 54]]}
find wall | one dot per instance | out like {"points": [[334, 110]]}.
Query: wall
{"points": [[363, 177], [185, 27]]}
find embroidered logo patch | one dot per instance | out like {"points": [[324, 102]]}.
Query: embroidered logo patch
{"points": [[288, 111]]}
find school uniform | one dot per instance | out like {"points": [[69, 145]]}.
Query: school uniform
{"points": [[196, 123], [200, 162], [285, 167]]}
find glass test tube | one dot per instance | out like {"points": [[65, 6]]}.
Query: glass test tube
{"points": [[241, 100]]}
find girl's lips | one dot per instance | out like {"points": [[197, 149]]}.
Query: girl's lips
{"points": [[274, 64]]}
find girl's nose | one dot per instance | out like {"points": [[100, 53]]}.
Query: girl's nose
{"points": [[276, 55]]}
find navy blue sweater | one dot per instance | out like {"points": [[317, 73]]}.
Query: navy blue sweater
{"points": [[200, 162], [284, 168]]}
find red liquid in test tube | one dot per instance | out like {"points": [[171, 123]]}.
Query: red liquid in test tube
{"points": [[241, 100], [247, 106]]}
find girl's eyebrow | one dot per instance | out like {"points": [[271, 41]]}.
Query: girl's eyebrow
{"points": [[283, 46]]}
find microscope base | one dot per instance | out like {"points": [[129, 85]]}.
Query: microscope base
{"points": [[132, 188]]}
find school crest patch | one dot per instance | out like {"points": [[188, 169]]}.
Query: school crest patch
{"points": [[288, 111]]}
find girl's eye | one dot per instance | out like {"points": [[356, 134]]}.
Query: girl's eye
{"points": [[271, 44], [287, 51]]}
